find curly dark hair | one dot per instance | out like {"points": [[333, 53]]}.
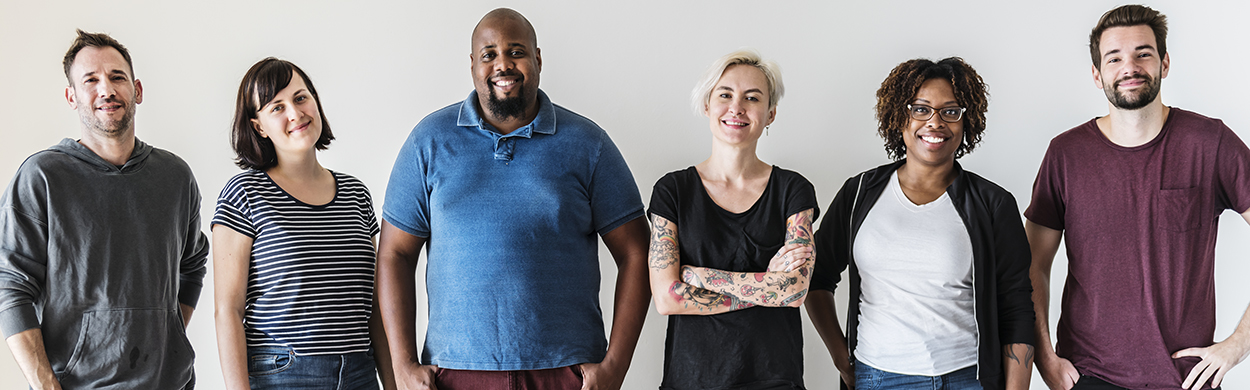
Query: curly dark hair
{"points": [[901, 86]]}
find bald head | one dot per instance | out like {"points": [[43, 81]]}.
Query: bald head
{"points": [[506, 62], [506, 18]]}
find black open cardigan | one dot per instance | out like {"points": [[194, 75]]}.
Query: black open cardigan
{"points": [[1000, 254]]}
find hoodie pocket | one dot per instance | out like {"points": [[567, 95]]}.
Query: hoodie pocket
{"points": [[131, 347]]}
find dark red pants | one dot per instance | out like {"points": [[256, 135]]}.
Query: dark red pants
{"points": [[563, 378], [1091, 383]]}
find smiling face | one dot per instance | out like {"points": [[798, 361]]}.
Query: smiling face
{"points": [[291, 120], [1131, 70], [738, 110], [933, 141], [104, 92], [506, 62]]}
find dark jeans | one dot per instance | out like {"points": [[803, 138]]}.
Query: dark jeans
{"points": [[562, 378], [1091, 383], [281, 369]]}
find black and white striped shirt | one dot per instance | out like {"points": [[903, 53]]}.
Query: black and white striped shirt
{"points": [[310, 278]]}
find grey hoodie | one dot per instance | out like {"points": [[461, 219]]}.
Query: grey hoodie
{"points": [[99, 257]]}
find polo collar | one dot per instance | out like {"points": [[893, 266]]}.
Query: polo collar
{"points": [[544, 123]]}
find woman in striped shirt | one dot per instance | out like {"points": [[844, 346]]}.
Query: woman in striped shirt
{"points": [[293, 249]]}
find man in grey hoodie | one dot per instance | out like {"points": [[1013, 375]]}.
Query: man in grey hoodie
{"points": [[101, 254]]}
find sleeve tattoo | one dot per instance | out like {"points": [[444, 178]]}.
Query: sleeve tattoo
{"points": [[664, 258], [761, 288]]}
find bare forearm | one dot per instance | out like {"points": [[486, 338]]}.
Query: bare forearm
{"points": [[1240, 339], [1018, 365], [398, 253], [1041, 306], [629, 311], [187, 311], [823, 312], [232, 348], [32, 358], [1043, 244], [381, 351], [232, 252], [396, 288]]}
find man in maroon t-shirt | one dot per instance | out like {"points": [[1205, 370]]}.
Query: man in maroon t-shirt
{"points": [[1137, 195]]}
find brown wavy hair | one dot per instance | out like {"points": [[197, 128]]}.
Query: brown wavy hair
{"points": [[900, 88]]}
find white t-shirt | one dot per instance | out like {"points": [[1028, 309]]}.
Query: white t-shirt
{"points": [[916, 312]]}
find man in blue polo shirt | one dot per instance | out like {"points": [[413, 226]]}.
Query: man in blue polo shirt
{"points": [[510, 192]]}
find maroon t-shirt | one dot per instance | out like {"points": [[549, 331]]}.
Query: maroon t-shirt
{"points": [[1140, 226]]}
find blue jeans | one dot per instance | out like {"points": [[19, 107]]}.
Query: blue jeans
{"points": [[868, 378], [280, 368]]}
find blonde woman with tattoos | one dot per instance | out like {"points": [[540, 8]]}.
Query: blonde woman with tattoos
{"points": [[731, 249]]}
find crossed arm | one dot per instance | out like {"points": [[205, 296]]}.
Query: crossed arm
{"points": [[698, 290]]}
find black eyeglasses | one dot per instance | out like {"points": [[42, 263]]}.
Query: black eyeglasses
{"points": [[922, 112]]}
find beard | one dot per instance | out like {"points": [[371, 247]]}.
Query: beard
{"points": [[87, 115], [1132, 101], [505, 107]]}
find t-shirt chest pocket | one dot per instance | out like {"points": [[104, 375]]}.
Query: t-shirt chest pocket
{"points": [[1181, 208]]}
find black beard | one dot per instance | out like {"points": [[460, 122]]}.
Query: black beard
{"points": [[509, 107], [1126, 102]]}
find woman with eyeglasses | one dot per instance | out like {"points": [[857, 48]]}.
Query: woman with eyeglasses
{"points": [[731, 244], [939, 263]]}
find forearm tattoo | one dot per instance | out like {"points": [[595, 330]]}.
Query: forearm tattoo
{"points": [[1026, 360], [702, 299], [759, 288]]}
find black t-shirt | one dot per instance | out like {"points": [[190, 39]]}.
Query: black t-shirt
{"points": [[754, 348]]}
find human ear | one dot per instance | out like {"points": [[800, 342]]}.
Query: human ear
{"points": [[1097, 76], [1167, 64], [138, 92], [259, 130], [69, 97]]}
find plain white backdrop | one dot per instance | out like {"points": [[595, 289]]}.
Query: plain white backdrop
{"points": [[381, 66]]}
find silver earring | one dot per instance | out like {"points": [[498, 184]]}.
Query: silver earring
{"points": [[766, 131]]}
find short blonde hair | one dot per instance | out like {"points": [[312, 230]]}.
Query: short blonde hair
{"points": [[703, 91]]}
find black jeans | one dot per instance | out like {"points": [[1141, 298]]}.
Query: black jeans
{"points": [[1091, 383]]}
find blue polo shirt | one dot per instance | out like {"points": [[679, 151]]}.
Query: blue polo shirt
{"points": [[512, 223]]}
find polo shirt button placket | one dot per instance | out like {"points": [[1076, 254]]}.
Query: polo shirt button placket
{"points": [[504, 148]]}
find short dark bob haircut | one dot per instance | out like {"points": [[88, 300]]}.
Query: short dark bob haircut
{"points": [[901, 86], [260, 84]]}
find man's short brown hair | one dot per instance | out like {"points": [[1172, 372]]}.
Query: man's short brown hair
{"points": [[86, 39], [1128, 16]]}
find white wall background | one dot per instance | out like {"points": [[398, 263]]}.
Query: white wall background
{"points": [[383, 65]]}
